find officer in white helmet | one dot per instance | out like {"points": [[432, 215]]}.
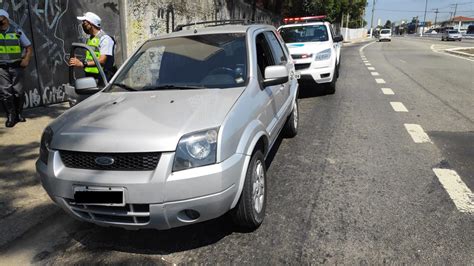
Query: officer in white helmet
{"points": [[101, 43], [15, 54]]}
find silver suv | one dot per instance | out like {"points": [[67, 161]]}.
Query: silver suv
{"points": [[179, 136]]}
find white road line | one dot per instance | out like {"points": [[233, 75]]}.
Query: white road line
{"points": [[375, 73], [380, 81], [417, 133], [365, 61], [388, 91], [398, 107], [460, 57], [461, 195], [367, 64], [361, 50], [371, 68]]}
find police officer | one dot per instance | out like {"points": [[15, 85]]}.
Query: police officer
{"points": [[102, 44], [15, 54]]}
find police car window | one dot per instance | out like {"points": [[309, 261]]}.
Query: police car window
{"points": [[278, 53], [309, 33]]}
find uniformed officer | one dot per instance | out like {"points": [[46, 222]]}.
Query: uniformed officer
{"points": [[102, 44], [15, 54]]}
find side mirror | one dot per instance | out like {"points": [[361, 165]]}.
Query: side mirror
{"points": [[338, 38], [275, 75], [86, 86]]}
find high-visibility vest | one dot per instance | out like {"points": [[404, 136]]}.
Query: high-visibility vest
{"points": [[94, 44], [10, 47]]}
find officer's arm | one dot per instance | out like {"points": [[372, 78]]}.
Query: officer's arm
{"points": [[26, 59], [102, 59]]}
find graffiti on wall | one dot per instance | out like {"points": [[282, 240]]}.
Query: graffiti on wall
{"points": [[52, 26]]}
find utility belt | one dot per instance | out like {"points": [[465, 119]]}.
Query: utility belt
{"points": [[10, 65]]}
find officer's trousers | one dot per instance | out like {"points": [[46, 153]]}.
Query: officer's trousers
{"points": [[11, 82]]}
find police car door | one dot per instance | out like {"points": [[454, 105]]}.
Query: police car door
{"points": [[336, 45]]}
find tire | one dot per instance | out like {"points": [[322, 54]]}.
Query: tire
{"points": [[291, 125], [249, 213], [331, 86]]}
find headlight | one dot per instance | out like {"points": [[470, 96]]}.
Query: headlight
{"points": [[324, 55], [196, 149], [46, 139]]}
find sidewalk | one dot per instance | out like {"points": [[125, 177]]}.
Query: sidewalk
{"points": [[23, 202], [355, 41]]}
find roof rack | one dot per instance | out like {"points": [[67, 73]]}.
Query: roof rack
{"points": [[214, 23], [305, 19]]}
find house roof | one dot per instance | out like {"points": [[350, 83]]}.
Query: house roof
{"points": [[461, 18]]}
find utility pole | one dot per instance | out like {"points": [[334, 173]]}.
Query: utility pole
{"points": [[455, 10], [372, 20], [436, 17], [424, 19]]}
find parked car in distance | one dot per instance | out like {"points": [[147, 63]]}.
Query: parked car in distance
{"points": [[451, 35], [179, 135], [315, 49], [385, 35], [431, 31]]}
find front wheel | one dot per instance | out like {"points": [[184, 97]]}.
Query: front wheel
{"points": [[331, 87], [250, 209]]}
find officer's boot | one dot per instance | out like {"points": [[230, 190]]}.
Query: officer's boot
{"points": [[19, 108], [9, 107]]}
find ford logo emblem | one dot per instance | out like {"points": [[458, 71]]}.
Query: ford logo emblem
{"points": [[104, 161]]}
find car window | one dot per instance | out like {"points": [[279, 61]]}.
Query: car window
{"points": [[201, 61], [453, 31], [310, 33], [264, 54], [278, 54]]}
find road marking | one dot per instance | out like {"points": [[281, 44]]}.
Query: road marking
{"points": [[361, 50], [457, 190], [380, 81], [398, 107], [441, 52], [371, 68], [375, 73], [403, 61], [388, 91], [367, 64], [417, 133]]}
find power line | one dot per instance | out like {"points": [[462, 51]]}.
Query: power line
{"points": [[410, 11]]}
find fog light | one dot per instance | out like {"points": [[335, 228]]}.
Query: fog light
{"points": [[325, 75], [188, 215], [192, 214]]}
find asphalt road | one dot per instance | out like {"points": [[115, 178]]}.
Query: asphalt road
{"points": [[353, 187]]}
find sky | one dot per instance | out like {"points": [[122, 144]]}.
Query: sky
{"points": [[397, 10]]}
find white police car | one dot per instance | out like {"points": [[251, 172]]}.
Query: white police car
{"points": [[315, 49]]}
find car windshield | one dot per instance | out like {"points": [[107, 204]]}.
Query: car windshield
{"points": [[190, 62], [311, 33], [453, 31], [385, 32]]}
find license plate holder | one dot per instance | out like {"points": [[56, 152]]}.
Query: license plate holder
{"points": [[102, 196]]}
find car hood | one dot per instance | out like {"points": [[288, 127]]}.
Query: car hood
{"points": [[140, 121], [308, 47]]}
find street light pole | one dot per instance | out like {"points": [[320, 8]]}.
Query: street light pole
{"points": [[424, 19], [436, 17], [372, 19]]}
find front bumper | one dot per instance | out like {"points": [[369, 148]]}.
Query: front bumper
{"points": [[322, 74], [154, 199]]}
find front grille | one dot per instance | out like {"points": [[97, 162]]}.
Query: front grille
{"points": [[134, 214], [302, 66], [121, 161]]}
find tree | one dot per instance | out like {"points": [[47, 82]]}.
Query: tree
{"points": [[388, 24]]}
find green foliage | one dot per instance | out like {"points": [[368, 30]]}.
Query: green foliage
{"points": [[334, 9]]}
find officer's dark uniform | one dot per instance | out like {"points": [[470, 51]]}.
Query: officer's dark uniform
{"points": [[11, 74]]}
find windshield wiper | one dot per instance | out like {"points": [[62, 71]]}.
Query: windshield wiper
{"points": [[124, 86], [173, 87]]}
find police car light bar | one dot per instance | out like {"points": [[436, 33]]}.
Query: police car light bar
{"points": [[303, 19]]}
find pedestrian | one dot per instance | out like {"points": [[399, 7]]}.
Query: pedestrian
{"points": [[15, 54], [101, 43]]}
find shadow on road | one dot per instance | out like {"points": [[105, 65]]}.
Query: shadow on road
{"points": [[311, 90]]}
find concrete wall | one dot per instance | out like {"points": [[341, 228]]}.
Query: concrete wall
{"points": [[150, 18]]}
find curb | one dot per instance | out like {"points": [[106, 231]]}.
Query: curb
{"points": [[456, 51]]}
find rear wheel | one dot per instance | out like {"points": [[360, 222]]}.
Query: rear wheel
{"points": [[291, 125], [250, 209]]}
